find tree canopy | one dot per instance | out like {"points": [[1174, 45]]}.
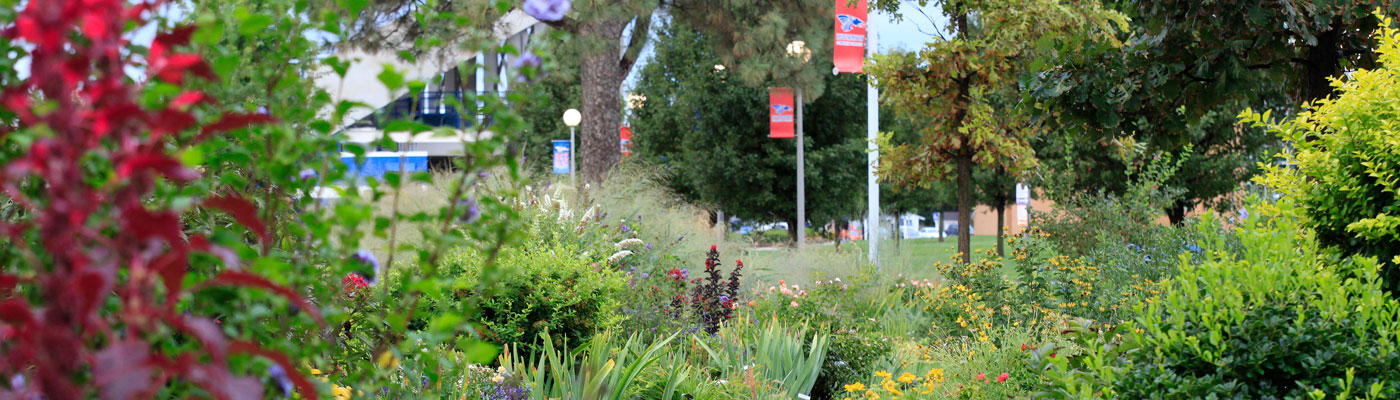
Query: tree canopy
{"points": [[711, 134]]}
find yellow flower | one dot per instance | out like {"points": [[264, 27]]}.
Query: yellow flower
{"points": [[870, 394], [855, 387], [907, 378], [882, 374], [889, 387], [340, 392], [934, 375]]}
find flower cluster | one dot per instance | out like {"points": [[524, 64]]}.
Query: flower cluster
{"points": [[905, 383], [713, 300]]}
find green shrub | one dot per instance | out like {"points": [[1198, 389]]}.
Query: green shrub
{"points": [[541, 286], [1347, 159], [849, 358], [1276, 319]]}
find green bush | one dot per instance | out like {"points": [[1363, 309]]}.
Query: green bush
{"points": [[1347, 159], [849, 358], [1277, 319], [541, 286]]}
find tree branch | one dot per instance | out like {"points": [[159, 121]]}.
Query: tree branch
{"points": [[635, 44]]}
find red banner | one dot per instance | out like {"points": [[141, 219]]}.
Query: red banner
{"points": [[850, 36], [781, 113], [626, 141]]}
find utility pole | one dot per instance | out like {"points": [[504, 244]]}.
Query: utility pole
{"points": [[801, 180], [872, 157]]}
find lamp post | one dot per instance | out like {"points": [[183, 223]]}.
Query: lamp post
{"points": [[798, 48], [572, 118]]}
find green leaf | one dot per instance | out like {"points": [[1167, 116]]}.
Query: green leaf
{"points": [[479, 352], [391, 78], [254, 23], [445, 323]]}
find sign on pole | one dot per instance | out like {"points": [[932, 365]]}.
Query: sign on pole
{"points": [[561, 156], [1023, 194], [780, 113], [626, 141], [850, 36]]}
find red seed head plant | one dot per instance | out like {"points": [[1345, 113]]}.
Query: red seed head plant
{"points": [[102, 262]]}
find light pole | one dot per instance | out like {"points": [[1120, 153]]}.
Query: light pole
{"points": [[798, 48], [872, 107], [572, 118]]}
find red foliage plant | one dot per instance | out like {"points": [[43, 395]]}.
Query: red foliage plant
{"points": [[105, 270]]}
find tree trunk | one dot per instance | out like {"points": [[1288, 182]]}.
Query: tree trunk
{"points": [[792, 230], [1323, 62], [840, 227], [1001, 222], [602, 76], [964, 172], [1176, 213], [964, 158]]}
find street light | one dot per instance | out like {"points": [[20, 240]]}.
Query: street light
{"points": [[799, 49], [572, 118]]}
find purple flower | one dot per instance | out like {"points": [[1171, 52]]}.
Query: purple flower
{"points": [[366, 257], [279, 376], [648, 246], [482, 175], [307, 174], [17, 382], [723, 299], [527, 65], [547, 10], [1244, 214], [625, 229], [470, 213], [644, 275]]}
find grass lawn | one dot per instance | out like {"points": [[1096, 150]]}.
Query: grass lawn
{"points": [[914, 258]]}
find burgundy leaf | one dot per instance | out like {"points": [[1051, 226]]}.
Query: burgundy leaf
{"points": [[303, 385], [189, 98], [145, 224], [176, 37], [234, 121], [92, 288], [15, 311], [233, 278], [242, 211], [158, 162], [170, 122], [208, 333], [172, 268], [121, 370], [172, 69]]}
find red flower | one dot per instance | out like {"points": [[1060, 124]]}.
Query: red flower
{"points": [[1023, 347], [981, 376], [1003, 376], [353, 281]]}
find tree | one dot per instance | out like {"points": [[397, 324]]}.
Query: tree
{"points": [[953, 84], [755, 39], [710, 132], [596, 29], [1189, 68]]}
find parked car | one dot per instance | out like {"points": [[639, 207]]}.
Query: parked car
{"points": [[953, 230]]}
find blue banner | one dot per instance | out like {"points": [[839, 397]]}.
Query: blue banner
{"points": [[561, 156], [378, 162]]}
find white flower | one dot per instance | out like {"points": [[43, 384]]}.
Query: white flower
{"points": [[618, 256], [837, 280], [629, 243]]}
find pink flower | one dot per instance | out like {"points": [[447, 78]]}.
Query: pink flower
{"points": [[981, 376], [793, 304], [1002, 377]]}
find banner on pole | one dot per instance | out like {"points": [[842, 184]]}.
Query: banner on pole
{"points": [[1023, 194], [561, 156], [850, 36], [626, 141], [781, 112]]}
